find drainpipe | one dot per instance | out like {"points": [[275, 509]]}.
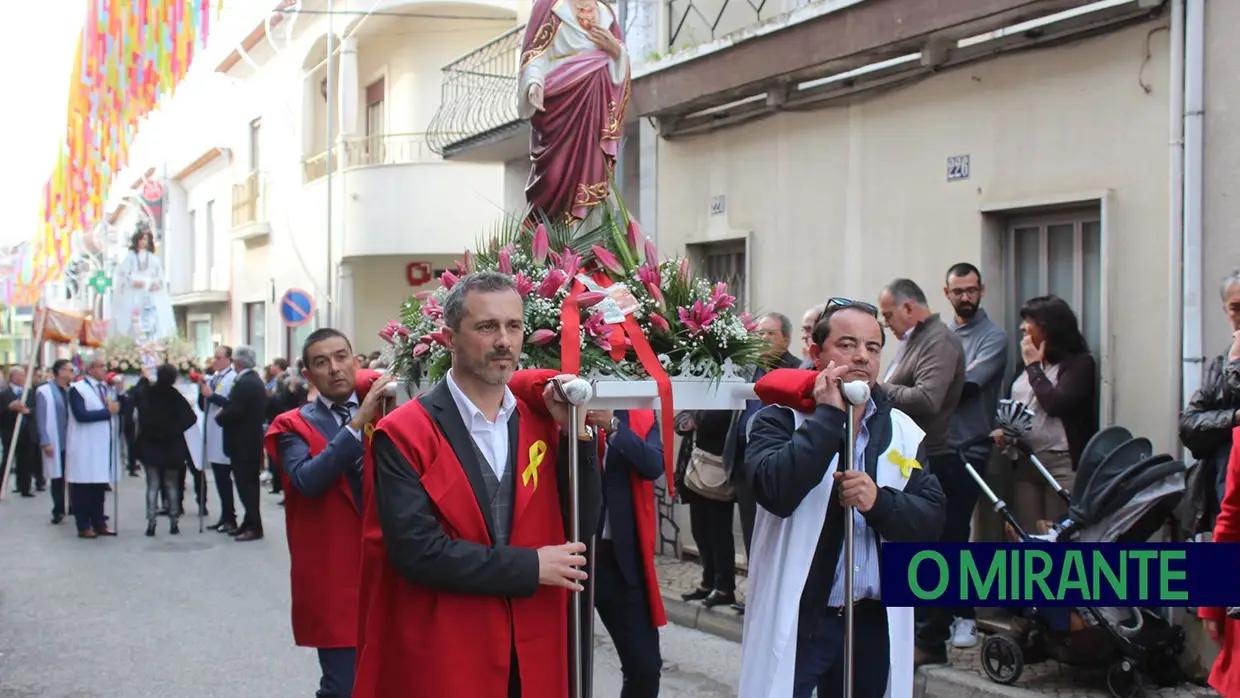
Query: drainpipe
{"points": [[1175, 315], [1194, 106], [325, 308]]}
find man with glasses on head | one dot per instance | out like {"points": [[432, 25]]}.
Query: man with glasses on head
{"points": [[794, 637]]}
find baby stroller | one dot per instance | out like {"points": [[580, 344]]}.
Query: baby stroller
{"points": [[1124, 494]]}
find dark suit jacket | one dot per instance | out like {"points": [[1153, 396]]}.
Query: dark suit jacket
{"points": [[314, 476], [628, 453], [420, 549], [242, 418], [8, 418]]}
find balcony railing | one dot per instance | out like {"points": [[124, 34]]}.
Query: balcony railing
{"points": [[479, 94], [694, 22], [383, 149], [248, 200]]}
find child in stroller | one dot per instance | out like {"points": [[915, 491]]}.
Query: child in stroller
{"points": [[1124, 493]]}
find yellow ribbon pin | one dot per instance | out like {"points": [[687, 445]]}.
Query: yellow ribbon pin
{"points": [[906, 465], [369, 431], [537, 452]]}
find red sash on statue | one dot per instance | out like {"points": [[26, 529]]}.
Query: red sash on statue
{"points": [[324, 542], [418, 642]]}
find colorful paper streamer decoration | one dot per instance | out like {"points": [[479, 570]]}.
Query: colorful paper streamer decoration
{"points": [[130, 56]]}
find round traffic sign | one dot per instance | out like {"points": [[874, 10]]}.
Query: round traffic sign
{"points": [[296, 307]]}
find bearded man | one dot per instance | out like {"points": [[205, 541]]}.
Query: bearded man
{"points": [[466, 567]]}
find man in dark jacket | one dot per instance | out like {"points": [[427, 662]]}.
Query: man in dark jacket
{"points": [[19, 399], [242, 418], [776, 329], [789, 455]]}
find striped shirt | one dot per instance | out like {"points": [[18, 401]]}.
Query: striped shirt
{"points": [[866, 583]]}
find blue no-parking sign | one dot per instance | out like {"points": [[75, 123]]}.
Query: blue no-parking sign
{"points": [[296, 307]]}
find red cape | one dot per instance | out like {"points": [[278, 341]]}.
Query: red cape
{"points": [[324, 542], [421, 642], [788, 387], [641, 422]]}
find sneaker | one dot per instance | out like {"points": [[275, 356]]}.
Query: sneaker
{"points": [[964, 633]]}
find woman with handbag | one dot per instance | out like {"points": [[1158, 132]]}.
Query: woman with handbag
{"points": [[710, 495]]}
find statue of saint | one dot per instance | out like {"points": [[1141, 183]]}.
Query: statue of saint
{"points": [[141, 308], [574, 89]]}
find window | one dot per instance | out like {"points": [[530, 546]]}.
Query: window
{"points": [[200, 333], [256, 329], [374, 121], [255, 131], [1059, 255], [209, 252], [192, 242], [722, 261], [294, 338]]}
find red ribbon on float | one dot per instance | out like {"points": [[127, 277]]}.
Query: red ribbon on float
{"points": [[570, 361]]}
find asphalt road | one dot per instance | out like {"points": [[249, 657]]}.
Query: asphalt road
{"points": [[201, 615]]}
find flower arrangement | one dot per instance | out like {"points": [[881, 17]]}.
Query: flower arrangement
{"points": [[127, 356], [612, 274]]}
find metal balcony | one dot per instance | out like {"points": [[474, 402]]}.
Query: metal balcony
{"points": [[478, 105], [370, 151]]}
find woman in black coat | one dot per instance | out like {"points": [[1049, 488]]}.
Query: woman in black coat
{"points": [[163, 417]]}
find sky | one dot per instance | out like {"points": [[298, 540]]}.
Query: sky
{"points": [[40, 45]]}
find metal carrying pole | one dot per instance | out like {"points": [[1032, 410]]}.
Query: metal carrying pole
{"points": [[9, 460], [856, 394], [576, 394]]}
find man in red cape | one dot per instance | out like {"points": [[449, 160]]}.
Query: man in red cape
{"points": [[466, 567], [626, 584], [319, 447]]}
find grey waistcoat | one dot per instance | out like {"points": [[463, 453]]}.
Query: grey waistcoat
{"points": [[500, 493]]}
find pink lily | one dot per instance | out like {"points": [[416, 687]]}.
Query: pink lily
{"points": [[698, 318], [423, 295], [684, 270], [634, 235], [657, 295], [551, 285], [524, 285], [748, 321], [649, 274], [404, 332], [720, 298], [570, 261], [425, 339], [469, 262], [660, 323], [607, 260], [420, 350], [542, 243], [541, 337], [505, 261], [448, 279], [438, 338], [388, 333], [652, 254], [596, 328], [461, 270], [432, 309], [590, 298]]}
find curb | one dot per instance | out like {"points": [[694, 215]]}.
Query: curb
{"points": [[930, 682]]}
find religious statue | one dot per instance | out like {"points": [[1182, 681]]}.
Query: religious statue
{"points": [[141, 308], [574, 89]]}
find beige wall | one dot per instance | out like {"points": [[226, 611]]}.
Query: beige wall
{"points": [[842, 200], [379, 289], [1221, 239]]}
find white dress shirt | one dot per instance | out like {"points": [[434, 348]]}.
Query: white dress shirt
{"points": [[353, 405], [491, 438]]}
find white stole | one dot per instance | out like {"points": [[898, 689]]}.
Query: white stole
{"points": [[49, 421], [90, 449], [782, 552], [213, 430]]}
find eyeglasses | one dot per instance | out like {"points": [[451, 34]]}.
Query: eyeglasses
{"points": [[837, 303]]}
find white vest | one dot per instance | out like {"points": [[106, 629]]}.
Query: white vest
{"points": [[87, 445], [779, 567], [215, 433], [49, 421]]}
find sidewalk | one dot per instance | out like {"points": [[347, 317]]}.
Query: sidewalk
{"points": [[962, 678]]}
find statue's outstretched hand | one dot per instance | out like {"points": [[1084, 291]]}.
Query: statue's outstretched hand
{"points": [[536, 97]]}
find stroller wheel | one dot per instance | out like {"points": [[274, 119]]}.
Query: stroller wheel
{"points": [[1124, 680], [1002, 659]]}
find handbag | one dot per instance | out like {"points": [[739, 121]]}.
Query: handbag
{"points": [[707, 477]]}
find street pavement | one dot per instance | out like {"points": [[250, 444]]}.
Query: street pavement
{"points": [[201, 615]]}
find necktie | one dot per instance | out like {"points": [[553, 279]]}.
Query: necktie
{"points": [[342, 412]]}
